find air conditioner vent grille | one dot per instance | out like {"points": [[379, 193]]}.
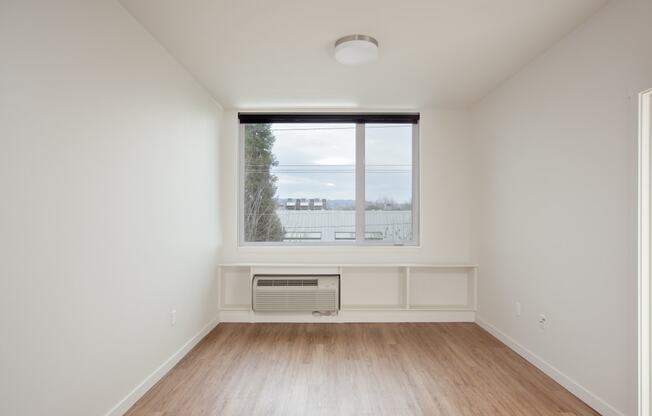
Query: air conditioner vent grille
{"points": [[287, 282], [295, 293]]}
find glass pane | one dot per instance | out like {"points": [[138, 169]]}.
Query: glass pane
{"points": [[388, 182], [299, 182]]}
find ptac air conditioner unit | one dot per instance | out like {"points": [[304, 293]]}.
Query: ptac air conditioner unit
{"points": [[312, 293]]}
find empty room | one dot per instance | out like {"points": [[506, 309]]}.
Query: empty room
{"points": [[350, 208]]}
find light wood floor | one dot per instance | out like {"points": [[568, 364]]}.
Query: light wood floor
{"points": [[355, 369]]}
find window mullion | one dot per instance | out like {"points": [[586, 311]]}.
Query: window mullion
{"points": [[359, 182]]}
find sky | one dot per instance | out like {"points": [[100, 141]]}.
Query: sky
{"points": [[318, 161]]}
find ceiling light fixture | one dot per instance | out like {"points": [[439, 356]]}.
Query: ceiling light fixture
{"points": [[356, 49]]}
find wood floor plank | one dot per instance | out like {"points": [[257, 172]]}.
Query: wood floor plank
{"points": [[402, 369]]}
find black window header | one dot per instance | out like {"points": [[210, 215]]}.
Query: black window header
{"points": [[386, 118]]}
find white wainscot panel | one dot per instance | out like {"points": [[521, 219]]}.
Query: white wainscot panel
{"points": [[235, 288], [369, 292], [373, 288], [441, 288]]}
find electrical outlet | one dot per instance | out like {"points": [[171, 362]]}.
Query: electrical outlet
{"points": [[173, 317], [517, 309], [542, 321]]}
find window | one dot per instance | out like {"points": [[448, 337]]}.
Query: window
{"points": [[388, 182], [328, 179]]}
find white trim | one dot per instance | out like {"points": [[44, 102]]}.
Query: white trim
{"points": [[140, 390], [568, 383], [312, 265], [350, 316], [644, 247]]}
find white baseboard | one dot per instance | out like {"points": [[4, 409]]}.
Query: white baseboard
{"points": [[138, 392], [569, 384], [351, 316]]}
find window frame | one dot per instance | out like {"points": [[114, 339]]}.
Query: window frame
{"points": [[360, 119]]}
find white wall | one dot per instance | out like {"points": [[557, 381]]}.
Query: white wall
{"points": [[445, 217], [108, 212], [555, 157]]}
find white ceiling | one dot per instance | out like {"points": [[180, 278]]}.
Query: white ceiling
{"points": [[279, 53]]}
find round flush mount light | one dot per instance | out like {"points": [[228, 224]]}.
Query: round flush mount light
{"points": [[356, 49]]}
